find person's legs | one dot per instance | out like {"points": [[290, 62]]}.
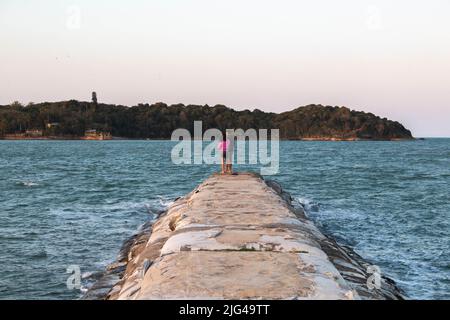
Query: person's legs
{"points": [[228, 166], [229, 161], [223, 163]]}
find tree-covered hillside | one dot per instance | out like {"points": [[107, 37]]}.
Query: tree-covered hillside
{"points": [[158, 120]]}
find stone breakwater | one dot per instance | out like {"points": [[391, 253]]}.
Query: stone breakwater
{"points": [[236, 237]]}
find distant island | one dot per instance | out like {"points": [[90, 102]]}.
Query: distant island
{"points": [[97, 121]]}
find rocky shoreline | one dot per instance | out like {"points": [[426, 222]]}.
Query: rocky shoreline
{"points": [[102, 289], [126, 277]]}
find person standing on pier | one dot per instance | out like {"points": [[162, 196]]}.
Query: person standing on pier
{"points": [[226, 147]]}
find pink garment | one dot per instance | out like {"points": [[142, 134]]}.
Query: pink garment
{"points": [[223, 146]]}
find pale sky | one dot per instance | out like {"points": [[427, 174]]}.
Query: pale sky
{"points": [[391, 58]]}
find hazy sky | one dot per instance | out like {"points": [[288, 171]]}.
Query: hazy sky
{"points": [[391, 58]]}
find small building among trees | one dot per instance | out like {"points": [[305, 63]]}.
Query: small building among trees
{"points": [[93, 134], [34, 133]]}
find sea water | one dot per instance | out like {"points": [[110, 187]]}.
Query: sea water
{"points": [[73, 203]]}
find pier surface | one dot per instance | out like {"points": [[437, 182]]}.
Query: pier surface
{"points": [[238, 237]]}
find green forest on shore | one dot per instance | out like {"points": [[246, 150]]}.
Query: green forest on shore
{"points": [[157, 121]]}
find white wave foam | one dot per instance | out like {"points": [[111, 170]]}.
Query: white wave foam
{"points": [[86, 275], [83, 289], [165, 202], [28, 183], [308, 204]]}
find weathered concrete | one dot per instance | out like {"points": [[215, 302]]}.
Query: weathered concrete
{"points": [[238, 237]]}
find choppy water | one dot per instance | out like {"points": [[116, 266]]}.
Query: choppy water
{"points": [[74, 202]]}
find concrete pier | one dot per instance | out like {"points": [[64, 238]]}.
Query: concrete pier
{"points": [[239, 237]]}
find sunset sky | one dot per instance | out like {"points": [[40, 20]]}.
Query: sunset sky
{"points": [[391, 58]]}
